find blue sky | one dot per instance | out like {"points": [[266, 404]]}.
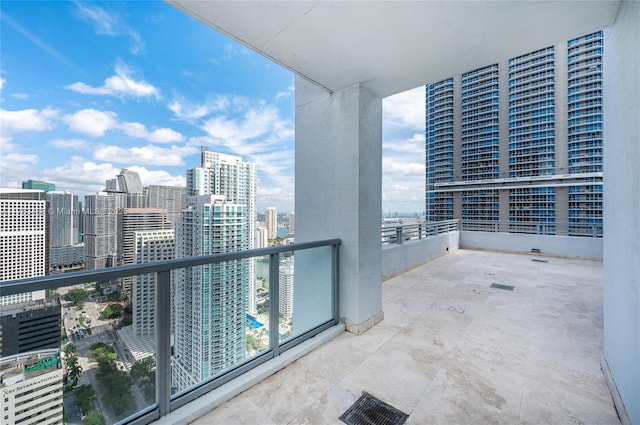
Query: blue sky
{"points": [[89, 88]]}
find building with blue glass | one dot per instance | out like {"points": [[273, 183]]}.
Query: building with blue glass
{"points": [[516, 146]]}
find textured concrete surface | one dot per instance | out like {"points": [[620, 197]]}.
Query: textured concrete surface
{"points": [[452, 350]]}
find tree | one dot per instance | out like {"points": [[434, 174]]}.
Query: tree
{"points": [[70, 349], [112, 311], [84, 398], [103, 352], [76, 296], [94, 419], [73, 369]]}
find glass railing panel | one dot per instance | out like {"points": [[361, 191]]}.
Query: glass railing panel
{"points": [[221, 319], [72, 340], [127, 346], [305, 291], [258, 308], [114, 337]]}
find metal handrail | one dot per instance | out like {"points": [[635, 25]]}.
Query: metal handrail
{"points": [[17, 286], [165, 403], [535, 227], [397, 234]]}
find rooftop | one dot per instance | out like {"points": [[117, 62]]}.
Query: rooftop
{"points": [[451, 349]]}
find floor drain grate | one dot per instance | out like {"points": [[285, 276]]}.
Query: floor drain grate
{"points": [[539, 261], [368, 410], [500, 286]]}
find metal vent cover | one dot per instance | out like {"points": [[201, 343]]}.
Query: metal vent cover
{"points": [[368, 410], [500, 286]]}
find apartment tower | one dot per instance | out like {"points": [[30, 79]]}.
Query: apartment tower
{"points": [[211, 302], [271, 222], [23, 239], [516, 146]]}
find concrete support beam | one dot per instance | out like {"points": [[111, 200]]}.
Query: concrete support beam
{"points": [[621, 245], [339, 190]]}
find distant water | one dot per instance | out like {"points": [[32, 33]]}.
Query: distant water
{"points": [[282, 233]]}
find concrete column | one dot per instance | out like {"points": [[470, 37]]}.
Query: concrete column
{"points": [[339, 191], [621, 243]]}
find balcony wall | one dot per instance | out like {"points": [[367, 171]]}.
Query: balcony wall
{"points": [[397, 259], [621, 205], [564, 246]]}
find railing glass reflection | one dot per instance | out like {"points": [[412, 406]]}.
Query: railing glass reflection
{"points": [[187, 326]]}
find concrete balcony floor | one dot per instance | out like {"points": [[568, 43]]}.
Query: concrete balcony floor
{"points": [[451, 350]]}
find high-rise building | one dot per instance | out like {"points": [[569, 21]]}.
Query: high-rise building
{"points": [[31, 388], [516, 146], [130, 221], [23, 236], [171, 198], [211, 302], [64, 216], [271, 221], [285, 280], [29, 326], [102, 222], [292, 223], [100, 231], [150, 245], [261, 237], [38, 185]]}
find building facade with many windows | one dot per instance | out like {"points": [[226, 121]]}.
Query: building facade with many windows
{"points": [[516, 146], [211, 302], [23, 239]]}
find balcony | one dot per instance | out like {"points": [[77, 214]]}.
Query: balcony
{"points": [[451, 349]]}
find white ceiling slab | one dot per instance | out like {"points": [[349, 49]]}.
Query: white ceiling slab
{"points": [[397, 45]]}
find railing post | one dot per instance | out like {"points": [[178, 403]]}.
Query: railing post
{"points": [[274, 303], [163, 339], [335, 275], [399, 235]]}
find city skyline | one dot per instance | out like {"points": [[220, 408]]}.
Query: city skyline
{"points": [[153, 89]]}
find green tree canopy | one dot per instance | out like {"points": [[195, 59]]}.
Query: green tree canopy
{"points": [[112, 311], [85, 396], [94, 419], [76, 296]]}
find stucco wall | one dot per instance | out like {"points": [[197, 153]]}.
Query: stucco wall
{"points": [[397, 259], [566, 246], [622, 205]]}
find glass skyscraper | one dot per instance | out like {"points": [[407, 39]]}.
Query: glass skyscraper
{"points": [[211, 302], [516, 146]]}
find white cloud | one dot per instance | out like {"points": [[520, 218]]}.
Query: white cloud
{"points": [[26, 120], [121, 84], [14, 164], [110, 24], [190, 111], [234, 131], [159, 135], [403, 174], [82, 176], [76, 144], [2, 83], [21, 96], [146, 155], [405, 110], [285, 93], [159, 177], [91, 122]]}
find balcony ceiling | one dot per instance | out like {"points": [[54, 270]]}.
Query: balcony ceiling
{"points": [[396, 46]]}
